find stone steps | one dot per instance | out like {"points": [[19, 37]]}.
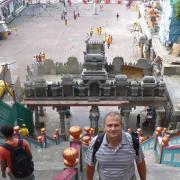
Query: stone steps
{"points": [[157, 171], [48, 162]]}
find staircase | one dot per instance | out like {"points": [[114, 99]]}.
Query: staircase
{"points": [[159, 171], [48, 161]]}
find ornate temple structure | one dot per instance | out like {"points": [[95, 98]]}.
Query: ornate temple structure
{"points": [[98, 84]]}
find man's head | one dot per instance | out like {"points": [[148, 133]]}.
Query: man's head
{"points": [[23, 125], [113, 125], [7, 131]]}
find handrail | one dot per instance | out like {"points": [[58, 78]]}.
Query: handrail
{"points": [[167, 154], [67, 174], [171, 156], [148, 144], [172, 147]]}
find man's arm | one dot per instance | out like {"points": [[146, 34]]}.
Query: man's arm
{"points": [[89, 172], [27, 148], [141, 166]]}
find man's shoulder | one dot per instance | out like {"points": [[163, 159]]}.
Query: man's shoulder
{"points": [[2, 149], [25, 143], [127, 135], [94, 139]]}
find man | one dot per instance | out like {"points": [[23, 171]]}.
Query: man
{"points": [[5, 154], [117, 16], [24, 130], [116, 155], [138, 121]]}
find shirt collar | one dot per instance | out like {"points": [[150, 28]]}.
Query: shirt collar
{"points": [[123, 140]]}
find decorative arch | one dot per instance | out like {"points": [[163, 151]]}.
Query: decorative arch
{"points": [[94, 88]]}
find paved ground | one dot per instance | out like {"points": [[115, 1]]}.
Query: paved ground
{"points": [[40, 29]]}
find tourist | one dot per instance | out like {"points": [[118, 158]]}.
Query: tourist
{"points": [[117, 16], [13, 153], [91, 32], [24, 130], [108, 43], [116, 154], [138, 121]]}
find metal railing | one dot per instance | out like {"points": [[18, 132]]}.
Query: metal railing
{"points": [[148, 144]]}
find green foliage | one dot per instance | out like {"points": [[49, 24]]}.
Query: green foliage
{"points": [[177, 9]]}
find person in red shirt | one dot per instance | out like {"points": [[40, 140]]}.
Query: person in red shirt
{"points": [[5, 155]]}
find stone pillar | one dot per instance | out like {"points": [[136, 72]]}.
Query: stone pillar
{"points": [[88, 92], [125, 112], [41, 111], [158, 121], [160, 111], [152, 54], [62, 121], [42, 117], [36, 115], [94, 117]]}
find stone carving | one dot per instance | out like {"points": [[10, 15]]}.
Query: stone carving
{"points": [[47, 67], [72, 66], [94, 80], [40, 87], [148, 85], [134, 88], [117, 63]]}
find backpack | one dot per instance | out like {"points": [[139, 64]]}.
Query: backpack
{"points": [[99, 139], [22, 164]]}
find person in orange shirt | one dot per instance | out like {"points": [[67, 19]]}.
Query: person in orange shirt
{"points": [[110, 39], [97, 30], [100, 30], [108, 43], [5, 154]]}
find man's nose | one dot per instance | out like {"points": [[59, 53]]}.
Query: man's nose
{"points": [[113, 127]]}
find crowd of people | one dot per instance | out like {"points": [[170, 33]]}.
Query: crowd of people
{"points": [[108, 39], [64, 15], [39, 57]]}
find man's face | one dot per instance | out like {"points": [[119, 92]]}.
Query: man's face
{"points": [[113, 127]]}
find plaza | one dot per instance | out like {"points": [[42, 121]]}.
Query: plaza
{"points": [[40, 29]]}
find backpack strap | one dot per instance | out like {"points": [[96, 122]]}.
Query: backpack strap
{"points": [[8, 147], [135, 140], [97, 145], [20, 143]]}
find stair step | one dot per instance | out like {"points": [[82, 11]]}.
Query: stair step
{"points": [[159, 171], [46, 165], [150, 157], [46, 174]]}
